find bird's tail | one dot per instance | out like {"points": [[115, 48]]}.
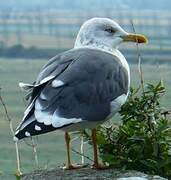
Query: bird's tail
{"points": [[26, 87]]}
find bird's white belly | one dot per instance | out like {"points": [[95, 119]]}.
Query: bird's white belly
{"points": [[116, 104], [81, 126]]}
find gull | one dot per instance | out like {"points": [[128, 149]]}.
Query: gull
{"points": [[82, 87]]}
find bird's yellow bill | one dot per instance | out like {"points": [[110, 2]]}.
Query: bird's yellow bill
{"points": [[135, 38]]}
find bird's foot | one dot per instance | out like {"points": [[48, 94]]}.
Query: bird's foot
{"points": [[75, 166], [99, 166]]}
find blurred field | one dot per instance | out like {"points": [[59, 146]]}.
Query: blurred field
{"points": [[51, 149], [58, 28]]}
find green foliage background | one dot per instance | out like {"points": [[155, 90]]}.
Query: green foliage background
{"points": [[143, 140]]}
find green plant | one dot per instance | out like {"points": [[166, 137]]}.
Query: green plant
{"points": [[17, 175], [143, 139]]}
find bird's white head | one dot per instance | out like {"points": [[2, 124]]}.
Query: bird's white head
{"points": [[104, 33]]}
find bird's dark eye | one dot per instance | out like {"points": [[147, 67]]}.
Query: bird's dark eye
{"points": [[110, 30]]}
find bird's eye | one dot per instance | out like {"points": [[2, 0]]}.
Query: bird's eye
{"points": [[110, 30]]}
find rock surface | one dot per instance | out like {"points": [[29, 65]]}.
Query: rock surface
{"points": [[88, 174]]}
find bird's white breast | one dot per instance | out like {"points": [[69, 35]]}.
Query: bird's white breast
{"points": [[119, 101], [123, 61], [116, 104]]}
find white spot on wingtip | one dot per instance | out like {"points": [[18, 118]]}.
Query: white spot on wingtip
{"points": [[15, 139], [27, 134], [57, 83], [37, 128]]}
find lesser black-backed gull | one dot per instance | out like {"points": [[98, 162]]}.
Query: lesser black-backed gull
{"points": [[82, 87]]}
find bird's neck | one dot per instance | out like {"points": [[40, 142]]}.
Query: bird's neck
{"points": [[113, 51], [93, 46]]}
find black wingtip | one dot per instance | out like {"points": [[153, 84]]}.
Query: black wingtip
{"points": [[33, 129], [19, 135]]}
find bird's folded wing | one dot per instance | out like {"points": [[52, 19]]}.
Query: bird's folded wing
{"points": [[85, 90], [80, 91]]}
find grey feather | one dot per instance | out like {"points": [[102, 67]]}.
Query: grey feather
{"points": [[92, 79]]}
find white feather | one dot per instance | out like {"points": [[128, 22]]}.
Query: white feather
{"points": [[46, 79], [116, 104], [57, 83], [58, 121], [47, 121], [15, 139], [43, 117], [55, 119], [42, 96], [27, 134], [16, 132], [21, 84], [37, 128], [25, 86]]}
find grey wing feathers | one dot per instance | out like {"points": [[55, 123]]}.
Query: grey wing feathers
{"points": [[91, 80], [90, 85], [53, 68]]}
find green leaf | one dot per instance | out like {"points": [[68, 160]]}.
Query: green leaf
{"points": [[165, 162], [17, 175]]}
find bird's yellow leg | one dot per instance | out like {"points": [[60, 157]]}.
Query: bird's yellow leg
{"points": [[94, 147], [67, 141], [96, 164], [68, 163]]}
